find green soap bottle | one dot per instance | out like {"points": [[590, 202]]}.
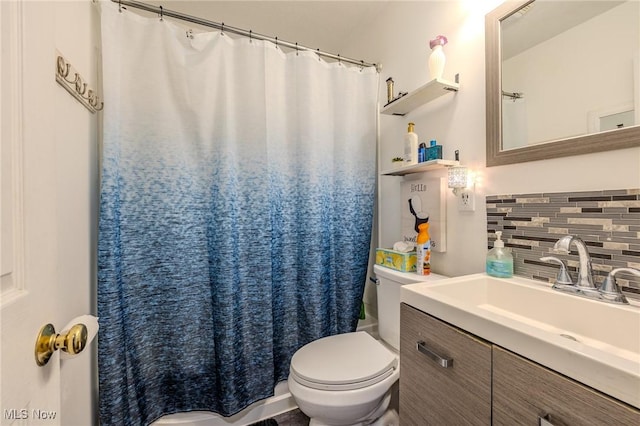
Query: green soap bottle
{"points": [[499, 259]]}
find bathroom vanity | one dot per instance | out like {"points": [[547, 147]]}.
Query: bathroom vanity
{"points": [[431, 393], [467, 358]]}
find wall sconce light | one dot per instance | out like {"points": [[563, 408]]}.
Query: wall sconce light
{"points": [[458, 178], [462, 181]]}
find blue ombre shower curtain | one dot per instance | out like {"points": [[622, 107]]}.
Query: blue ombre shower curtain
{"points": [[236, 208]]}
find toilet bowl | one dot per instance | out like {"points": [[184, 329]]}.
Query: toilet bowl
{"points": [[347, 379], [343, 379]]}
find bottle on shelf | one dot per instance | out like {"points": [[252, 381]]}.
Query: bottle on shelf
{"points": [[434, 152], [437, 57], [422, 153], [410, 146]]}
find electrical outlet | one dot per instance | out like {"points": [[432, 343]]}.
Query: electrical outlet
{"points": [[467, 200]]}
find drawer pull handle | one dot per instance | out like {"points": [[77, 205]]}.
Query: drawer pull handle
{"points": [[443, 362], [544, 420]]}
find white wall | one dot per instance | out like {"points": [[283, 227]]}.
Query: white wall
{"points": [[596, 77], [398, 39]]}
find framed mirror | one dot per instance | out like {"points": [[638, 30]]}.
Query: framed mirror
{"points": [[562, 78]]}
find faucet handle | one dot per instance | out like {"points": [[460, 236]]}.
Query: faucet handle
{"points": [[563, 278], [609, 288]]}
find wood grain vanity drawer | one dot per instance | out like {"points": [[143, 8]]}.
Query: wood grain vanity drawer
{"points": [[524, 391], [431, 394]]}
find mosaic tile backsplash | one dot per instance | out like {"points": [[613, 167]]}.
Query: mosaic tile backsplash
{"points": [[607, 221]]}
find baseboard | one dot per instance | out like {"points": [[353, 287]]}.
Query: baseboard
{"points": [[280, 403]]}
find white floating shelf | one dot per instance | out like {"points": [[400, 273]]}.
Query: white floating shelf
{"points": [[426, 93], [420, 167]]}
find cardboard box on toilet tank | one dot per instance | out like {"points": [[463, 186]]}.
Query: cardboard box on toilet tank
{"points": [[424, 200]]}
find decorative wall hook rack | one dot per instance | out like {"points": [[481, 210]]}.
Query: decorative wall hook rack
{"points": [[76, 85]]}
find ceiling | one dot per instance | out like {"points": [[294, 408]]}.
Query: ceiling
{"points": [[542, 20], [324, 25], [328, 24]]}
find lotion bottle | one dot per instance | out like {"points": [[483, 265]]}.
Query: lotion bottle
{"points": [[410, 147], [499, 260]]}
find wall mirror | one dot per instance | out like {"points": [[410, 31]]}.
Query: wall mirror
{"points": [[562, 78]]}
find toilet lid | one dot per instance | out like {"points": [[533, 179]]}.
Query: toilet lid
{"points": [[344, 361]]}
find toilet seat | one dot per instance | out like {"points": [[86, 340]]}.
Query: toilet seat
{"points": [[343, 362]]}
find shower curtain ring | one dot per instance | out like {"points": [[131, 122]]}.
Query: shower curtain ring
{"points": [[276, 42], [297, 51], [361, 65], [339, 60], [318, 52], [250, 36], [161, 13], [222, 29], [120, 6]]}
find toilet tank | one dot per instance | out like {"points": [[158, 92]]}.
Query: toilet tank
{"points": [[388, 295]]}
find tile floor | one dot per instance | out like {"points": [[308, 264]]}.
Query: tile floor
{"points": [[292, 418]]}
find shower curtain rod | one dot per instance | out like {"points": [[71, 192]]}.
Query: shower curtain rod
{"points": [[239, 31], [513, 95]]}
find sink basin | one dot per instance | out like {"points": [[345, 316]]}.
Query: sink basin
{"points": [[591, 341]]}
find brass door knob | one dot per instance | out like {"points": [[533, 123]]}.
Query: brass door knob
{"points": [[48, 341]]}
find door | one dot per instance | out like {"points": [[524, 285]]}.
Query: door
{"points": [[48, 208]]}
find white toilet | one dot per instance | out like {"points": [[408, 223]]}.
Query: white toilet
{"points": [[346, 380]]}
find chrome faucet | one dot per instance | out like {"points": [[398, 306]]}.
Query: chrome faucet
{"points": [[584, 286], [563, 279], [585, 274], [610, 290]]}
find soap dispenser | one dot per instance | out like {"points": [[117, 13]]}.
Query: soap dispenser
{"points": [[499, 259]]}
